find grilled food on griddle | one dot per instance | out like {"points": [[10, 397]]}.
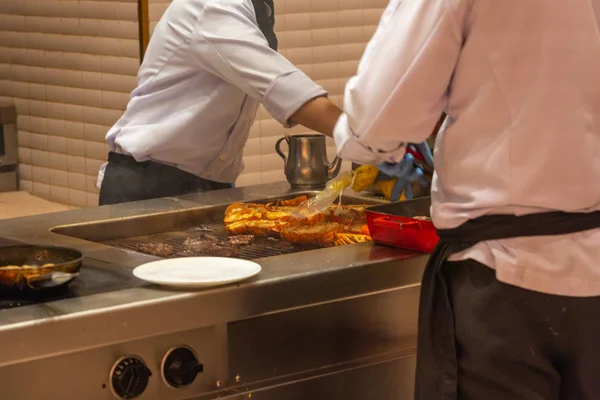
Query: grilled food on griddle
{"points": [[200, 243], [319, 234], [278, 244], [200, 228], [202, 237], [259, 227], [191, 244], [210, 249], [244, 222], [348, 215], [350, 238], [156, 249], [209, 245], [277, 221], [242, 240], [292, 202]]}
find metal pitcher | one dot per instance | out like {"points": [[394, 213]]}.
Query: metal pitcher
{"points": [[306, 165]]}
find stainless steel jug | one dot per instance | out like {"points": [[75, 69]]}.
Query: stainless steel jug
{"points": [[306, 165]]}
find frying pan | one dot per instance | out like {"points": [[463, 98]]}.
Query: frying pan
{"points": [[47, 267]]}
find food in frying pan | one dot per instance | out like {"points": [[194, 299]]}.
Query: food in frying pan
{"points": [[277, 221], [26, 266]]}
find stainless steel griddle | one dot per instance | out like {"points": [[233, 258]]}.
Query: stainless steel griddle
{"points": [[317, 323], [174, 229]]}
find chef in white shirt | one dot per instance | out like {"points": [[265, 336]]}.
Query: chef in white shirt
{"points": [[207, 68], [510, 306]]}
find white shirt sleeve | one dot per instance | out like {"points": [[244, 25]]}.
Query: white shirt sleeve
{"points": [[230, 44], [400, 89]]}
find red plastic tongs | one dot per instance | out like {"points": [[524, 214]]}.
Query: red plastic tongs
{"points": [[415, 153]]}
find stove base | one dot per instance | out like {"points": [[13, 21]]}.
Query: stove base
{"points": [[389, 380], [356, 348]]}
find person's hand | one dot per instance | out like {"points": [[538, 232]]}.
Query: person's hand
{"points": [[365, 176], [405, 173]]}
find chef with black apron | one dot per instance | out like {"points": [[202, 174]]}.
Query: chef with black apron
{"points": [[510, 299], [208, 67]]}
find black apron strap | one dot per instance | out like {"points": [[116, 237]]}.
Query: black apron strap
{"points": [[496, 227], [265, 16], [437, 370], [126, 180]]}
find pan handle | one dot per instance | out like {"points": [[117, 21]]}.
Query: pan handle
{"points": [[49, 280], [386, 222]]}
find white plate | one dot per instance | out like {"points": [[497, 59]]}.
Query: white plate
{"points": [[197, 272]]}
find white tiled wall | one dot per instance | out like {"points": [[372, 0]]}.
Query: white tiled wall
{"points": [[69, 66]]}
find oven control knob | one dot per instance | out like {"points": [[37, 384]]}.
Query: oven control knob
{"points": [[180, 367], [129, 377]]}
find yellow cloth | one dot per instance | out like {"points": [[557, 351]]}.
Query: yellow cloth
{"points": [[366, 176]]}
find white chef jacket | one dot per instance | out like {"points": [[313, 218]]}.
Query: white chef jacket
{"points": [[205, 72], [520, 81]]}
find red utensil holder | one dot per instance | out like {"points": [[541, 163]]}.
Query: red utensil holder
{"points": [[404, 232]]}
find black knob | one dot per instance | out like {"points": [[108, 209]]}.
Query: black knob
{"points": [[129, 377], [180, 367]]}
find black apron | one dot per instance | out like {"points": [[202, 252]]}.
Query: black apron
{"points": [[265, 16], [126, 180], [437, 373]]}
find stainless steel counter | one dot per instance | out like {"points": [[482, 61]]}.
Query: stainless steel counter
{"points": [[287, 283]]}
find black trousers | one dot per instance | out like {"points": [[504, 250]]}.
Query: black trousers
{"points": [[511, 343], [127, 180]]}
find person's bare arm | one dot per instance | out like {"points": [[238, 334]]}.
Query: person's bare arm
{"points": [[318, 114]]}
